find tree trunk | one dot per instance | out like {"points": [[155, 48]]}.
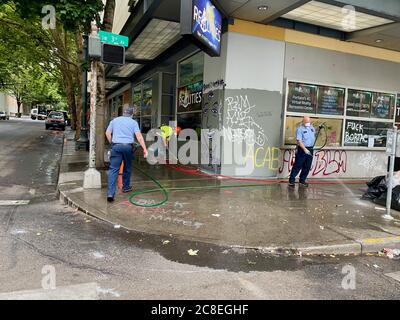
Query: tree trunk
{"points": [[78, 84], [68, 69], [19, 107], [108, 22]]}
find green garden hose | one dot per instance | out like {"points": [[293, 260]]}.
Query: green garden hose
{"points": [[165, 191]]}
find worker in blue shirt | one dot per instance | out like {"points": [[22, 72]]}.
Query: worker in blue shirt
{"points": [[120, 134], [305, 136]]}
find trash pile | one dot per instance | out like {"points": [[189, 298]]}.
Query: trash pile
{"points": [[392, 253], [377, 191]]}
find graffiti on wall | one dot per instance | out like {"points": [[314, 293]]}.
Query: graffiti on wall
{"points": [[326, 162], [212, 115], [265, 157], [240, 123]]}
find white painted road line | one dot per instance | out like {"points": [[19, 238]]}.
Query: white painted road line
{"points": [[394, 275], [13, 202], [85, 291]]}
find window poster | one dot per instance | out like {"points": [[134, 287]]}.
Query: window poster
{"points": [[366, 133], [382, 105], [190, 97], [331, 100], [302, 98], [359, 103], [397, 114]]}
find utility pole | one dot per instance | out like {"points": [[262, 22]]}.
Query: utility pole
{"points": [[391, 146], [83, 142], [92, 177]]}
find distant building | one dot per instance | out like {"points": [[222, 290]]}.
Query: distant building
{"points": [[8, 104]]}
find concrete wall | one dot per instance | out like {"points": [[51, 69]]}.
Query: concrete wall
{"points": [[330, 163], [325, 66], [254, 97], [255, 70]]}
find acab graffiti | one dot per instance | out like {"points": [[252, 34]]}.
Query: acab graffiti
{"points": [[265, 157], [326, 162]]}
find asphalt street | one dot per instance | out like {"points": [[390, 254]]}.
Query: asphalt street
{"points": [[44, 244]]}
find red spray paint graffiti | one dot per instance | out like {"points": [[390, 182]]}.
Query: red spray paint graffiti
{"points": [[326, 162]]}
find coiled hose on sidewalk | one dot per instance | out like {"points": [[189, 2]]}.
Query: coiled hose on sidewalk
{"points": [[165, 191]]}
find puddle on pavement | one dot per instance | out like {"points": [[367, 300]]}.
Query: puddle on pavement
{"points": [[225, 257]]}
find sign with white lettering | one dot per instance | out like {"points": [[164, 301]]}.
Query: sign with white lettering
{"points": [[356, 133], [302, 98], [202, 21], [383, 105], [366, 133], [359, 103], [330, 100], [190, 97]]}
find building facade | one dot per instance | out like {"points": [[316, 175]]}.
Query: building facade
{"points": [[335, 63]]}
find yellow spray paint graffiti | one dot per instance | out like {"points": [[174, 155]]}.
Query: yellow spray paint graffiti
{"points": [[265, 157]]}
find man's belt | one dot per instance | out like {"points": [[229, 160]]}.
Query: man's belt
{"points": [[122, 144]]}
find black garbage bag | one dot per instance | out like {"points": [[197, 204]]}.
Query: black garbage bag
{"points": [[395, 198], [376, 187]]}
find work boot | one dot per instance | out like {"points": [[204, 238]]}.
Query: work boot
{"points": [[127, 190]]}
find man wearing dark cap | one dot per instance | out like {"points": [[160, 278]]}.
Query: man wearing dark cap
{"points": [[121, 134]]}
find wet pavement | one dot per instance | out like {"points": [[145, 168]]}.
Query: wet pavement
{"points": [[94, 260], [327, 217]]}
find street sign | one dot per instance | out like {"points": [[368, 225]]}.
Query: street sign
{"points": [[390, 143], [113, 38], [111, 54]]}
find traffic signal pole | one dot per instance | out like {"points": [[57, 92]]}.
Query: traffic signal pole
{"points": [[92, 177]]}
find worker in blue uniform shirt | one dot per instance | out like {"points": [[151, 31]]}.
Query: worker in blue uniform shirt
{"points": [[305, 136], [121, 134]]}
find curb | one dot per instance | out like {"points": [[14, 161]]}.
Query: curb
{"points": [[347, 247], [356, 247], [377, 244]]}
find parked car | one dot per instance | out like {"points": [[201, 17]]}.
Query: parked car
{"points": [[36, 115], [4, 116], [66, 117], [55, 119]]}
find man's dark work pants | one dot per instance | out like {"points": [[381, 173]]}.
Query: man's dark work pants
{"points": [[119, 153], [302, 163]]}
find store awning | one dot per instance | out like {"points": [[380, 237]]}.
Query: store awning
{"points": [[151, 32]]}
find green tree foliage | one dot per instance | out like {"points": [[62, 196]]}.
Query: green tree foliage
{"points": [[24, 60]]}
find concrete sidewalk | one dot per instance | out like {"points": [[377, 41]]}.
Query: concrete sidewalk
{"points": [[323, 219]]}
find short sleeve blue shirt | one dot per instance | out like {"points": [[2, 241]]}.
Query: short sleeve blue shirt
{"points": [[306, 135], [123, 130]]}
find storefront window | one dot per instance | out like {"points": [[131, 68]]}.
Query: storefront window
{"points": [[375, 111], [190, 121], [366, 133], [331, 100], [332, 136], [359, 103], [368, 104], [191, 70], [137, 100], [190, 92], [397, 111], [190, 97], [147, 97], [383, 105]]}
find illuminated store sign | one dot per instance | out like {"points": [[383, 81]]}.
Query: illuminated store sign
{"points": [[201, 20]]}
